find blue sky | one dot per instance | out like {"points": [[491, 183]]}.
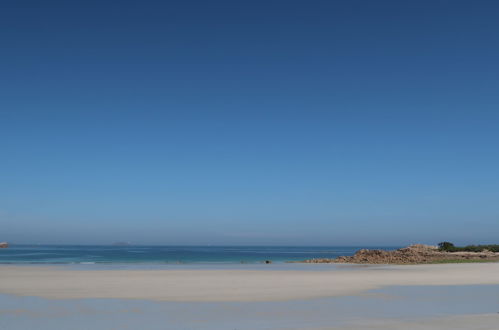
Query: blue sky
{"points": [[249, 122]]}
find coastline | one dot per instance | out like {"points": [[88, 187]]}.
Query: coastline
{"points": [[305, 296], [417, 254], [235, 285]]}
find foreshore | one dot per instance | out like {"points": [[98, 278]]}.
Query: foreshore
{"points": [[231, 284], [455, 322], [304, 296]]}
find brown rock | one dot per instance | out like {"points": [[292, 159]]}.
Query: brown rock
{"points": [[413, 254]]}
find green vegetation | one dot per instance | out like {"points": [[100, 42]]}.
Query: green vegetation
{"points": [[449, 247], [446, 246]]}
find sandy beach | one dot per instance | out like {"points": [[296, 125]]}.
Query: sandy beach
{"points": [[231, 285], [304, 297], [461, 322]]}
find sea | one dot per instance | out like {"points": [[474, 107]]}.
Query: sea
{"points": [[156, 255]]}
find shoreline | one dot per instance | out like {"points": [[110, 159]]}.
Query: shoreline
{"points": [[417, 254], [212, 285]]}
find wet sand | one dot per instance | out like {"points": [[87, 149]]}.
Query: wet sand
{"points": [[231, 284], [459, 322], [408, 307]]}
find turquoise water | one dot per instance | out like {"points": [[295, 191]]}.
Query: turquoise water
{"points": [[72, 254]]}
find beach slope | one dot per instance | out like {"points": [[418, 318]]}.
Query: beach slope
{"points": [[232, 285]]}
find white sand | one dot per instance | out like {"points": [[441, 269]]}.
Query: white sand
{"points": [[231, 285], [455, 322]]}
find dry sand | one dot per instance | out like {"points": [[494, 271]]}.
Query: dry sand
{"points": [[231, 285]]}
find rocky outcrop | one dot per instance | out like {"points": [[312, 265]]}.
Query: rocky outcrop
{"points": [[414, 254], [4, 245]]}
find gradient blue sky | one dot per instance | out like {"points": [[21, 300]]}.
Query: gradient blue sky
{"points": [[249, 122]]}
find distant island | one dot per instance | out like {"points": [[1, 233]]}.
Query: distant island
{"points": [[445, 252], [4, 245], [121, 244]]}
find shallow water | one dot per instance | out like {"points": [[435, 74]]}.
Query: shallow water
{"points": [[77, 254], [388, 303]]}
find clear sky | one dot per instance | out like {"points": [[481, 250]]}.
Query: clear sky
{"points": [[249, 122]]}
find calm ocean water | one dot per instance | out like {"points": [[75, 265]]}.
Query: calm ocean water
{"points": [[72, 254]]}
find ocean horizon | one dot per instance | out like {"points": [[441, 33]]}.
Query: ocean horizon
{"points": [[169, 254]]}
